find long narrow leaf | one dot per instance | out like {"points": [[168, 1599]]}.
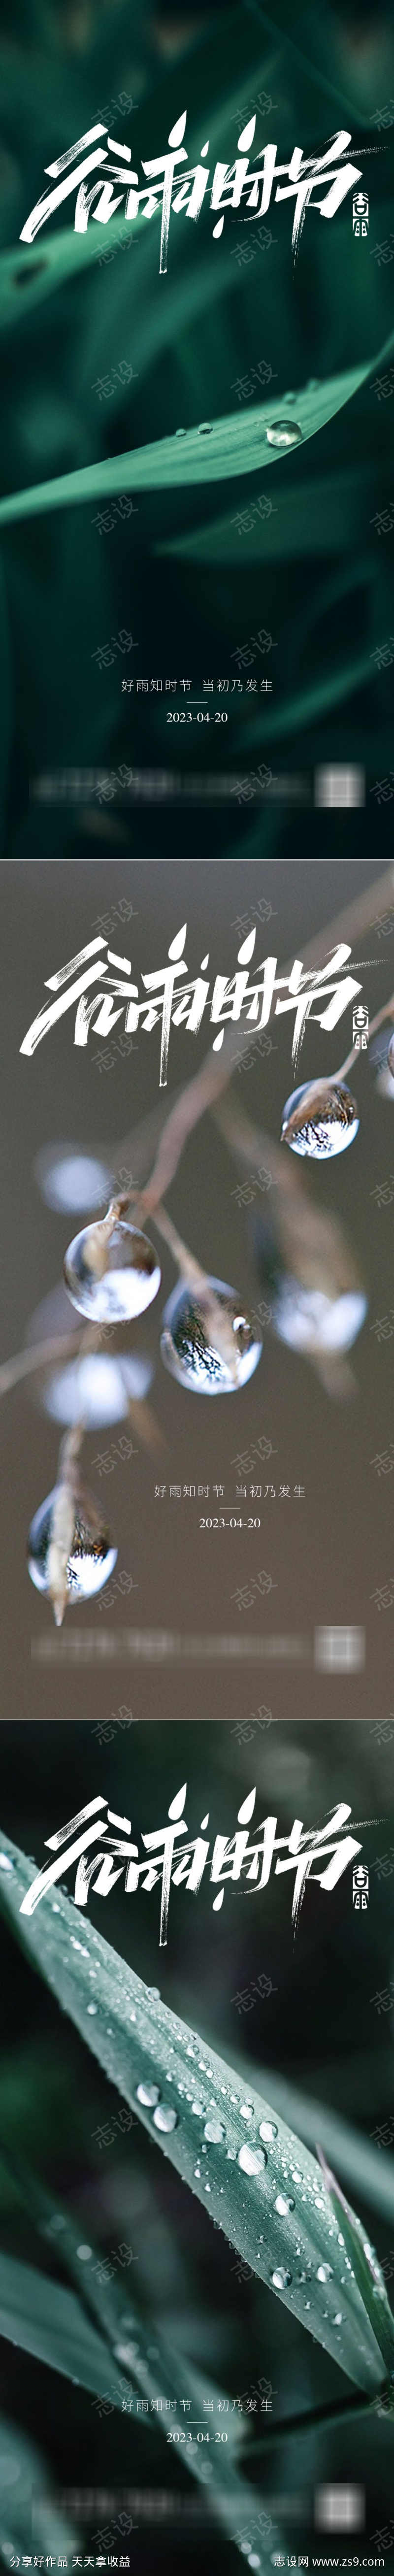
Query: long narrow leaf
{"points": [[246, 2168], [231, 447]]}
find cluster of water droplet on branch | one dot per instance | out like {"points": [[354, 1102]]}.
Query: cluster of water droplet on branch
{"points": [[210, 1342]]}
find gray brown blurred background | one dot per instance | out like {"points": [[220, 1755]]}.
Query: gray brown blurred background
{"points": [[326, 1555]]}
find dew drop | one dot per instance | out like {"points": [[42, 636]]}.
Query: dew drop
{"points": [[324, 2272], [320, 1119], [283, 2205], [149, 2094], [284, 433], [252, 2159], [214, 2131], [5, 1863], [205, 429], [180, 433], [164, 2117], [268, 2130], [246, 2110], [91, 1559], [111, 1277], [190, 1343], [281, 2279], [338, 2318], [198, 2110], [92, 2008], [84, 2253], [126, 2354]]}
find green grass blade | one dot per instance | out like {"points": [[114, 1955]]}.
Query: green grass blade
{"points": [[234, 446], [366, 2268], [244, 2181], [23, 2471]]}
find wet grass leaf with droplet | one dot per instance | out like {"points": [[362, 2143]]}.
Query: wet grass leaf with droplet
{"points": [[366, 2268], [229, 447], [263, 2187]]}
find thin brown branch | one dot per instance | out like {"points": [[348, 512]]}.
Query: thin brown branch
{"points": [[63, 1520], [218, 1322], [196, 1097], [143, 1419], [207, 1086], [312, 1243], [39, 1356]]}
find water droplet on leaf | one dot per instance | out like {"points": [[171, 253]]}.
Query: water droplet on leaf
{"points": [[283, 2205], [252, 2159], [284, 433], [164, 2117], [281, 2279], [149, 2094], [268, 2130], [205, 427], [214, 2131]]}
